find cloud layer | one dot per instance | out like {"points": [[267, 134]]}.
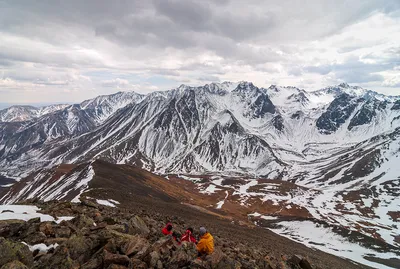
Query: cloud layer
{"points": [[72, 50]]}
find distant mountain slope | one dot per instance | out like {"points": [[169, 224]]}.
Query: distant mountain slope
{"points": [[26, 113]]}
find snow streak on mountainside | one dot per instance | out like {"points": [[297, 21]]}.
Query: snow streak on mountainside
{"points": [[53, 184], [342, 140]]}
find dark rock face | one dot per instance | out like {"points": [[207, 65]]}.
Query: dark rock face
{"points": [[396, 105], [366, 114], [296, 115], [186, 106], [337, 113], [261, 104], [277, 121], [300, 98]]}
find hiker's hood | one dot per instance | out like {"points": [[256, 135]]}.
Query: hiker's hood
{"points": [[207, 236]]}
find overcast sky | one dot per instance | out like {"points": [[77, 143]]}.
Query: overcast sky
{"points": [[71, 50]]}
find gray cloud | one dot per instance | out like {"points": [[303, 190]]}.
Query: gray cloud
{"points": [[208, 79], [58, 41]]}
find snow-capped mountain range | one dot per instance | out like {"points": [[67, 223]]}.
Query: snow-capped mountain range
{"points": [[343, 141], [26, 113]]}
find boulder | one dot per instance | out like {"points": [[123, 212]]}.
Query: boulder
{"points": [[88, 203], [182, 257], [215, 258], [80, 248], [137, 246], [164, 245], [60, 209], [111, 258], [117, 227], [14, 265], [138, 226], [62, 231], [33, 221], [35, 238], [110, 220], [305, 264], [299, 261], [152, 259], [82, 221], [94, 263], [12, 251], [61, 259], [10, 227], [46, 228], [138, 264]]}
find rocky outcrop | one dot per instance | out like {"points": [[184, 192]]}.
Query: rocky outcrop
{"points": [[14, 251], [336, 114], [103, 237]]}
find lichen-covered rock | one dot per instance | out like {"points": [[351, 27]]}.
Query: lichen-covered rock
{"points": [[10, 227], [11, 251], [137, 225], [14, 265], [183, 256], [80, 248], [152, 259], [137, 246], [82, 221], [62, 231], [61, 259]]}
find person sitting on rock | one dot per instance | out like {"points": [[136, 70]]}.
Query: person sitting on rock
{"points": [[205, 245], [167, 230], [188, 236]]}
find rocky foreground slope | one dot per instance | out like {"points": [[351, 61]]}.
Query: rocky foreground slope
{"points": [[106, 237], [269, 203]]}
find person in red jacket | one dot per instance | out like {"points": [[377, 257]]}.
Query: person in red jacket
{"points": [[167, 230], [188, 236]]}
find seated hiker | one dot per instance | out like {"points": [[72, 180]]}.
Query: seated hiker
{"points": [[188, 236], [205, 245], [167, 230]]}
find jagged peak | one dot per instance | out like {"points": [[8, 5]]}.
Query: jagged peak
{"points": [[344, 85]]}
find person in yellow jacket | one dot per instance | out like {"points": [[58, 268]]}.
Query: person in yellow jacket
{"points": [[205, 245]]}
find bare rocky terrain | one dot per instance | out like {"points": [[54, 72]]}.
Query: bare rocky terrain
{"points": [[130, 236]]}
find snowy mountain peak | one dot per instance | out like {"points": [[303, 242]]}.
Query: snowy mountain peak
{"points": [[21, 113], [344, 85], [344, 88], [273, 88]]}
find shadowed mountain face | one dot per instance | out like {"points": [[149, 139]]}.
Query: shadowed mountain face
{"points": [[338, 112]]}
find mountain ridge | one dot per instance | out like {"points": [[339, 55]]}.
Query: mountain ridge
{"points": [[338, 140]]}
